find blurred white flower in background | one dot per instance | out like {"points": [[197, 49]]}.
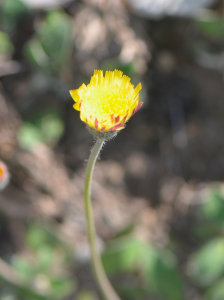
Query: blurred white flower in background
{"points": [[45, 4], [159, 8]]}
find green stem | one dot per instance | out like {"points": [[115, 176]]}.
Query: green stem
{"points": [[100, 275]]}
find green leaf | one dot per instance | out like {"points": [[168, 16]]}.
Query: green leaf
{"points": [[204, 229], [163, 276], [46, 127], [213, 209], [36, 55], [216, 292], [44, 257], [125, 255], [50, 48], [28, 135], [51, 127], [12, 11], [6, 46], [158, 268], [61, 287], [24, 268], [207, 264], [55, 35], [212, 26], [37, 237]]}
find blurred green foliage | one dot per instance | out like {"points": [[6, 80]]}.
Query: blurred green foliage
{"points": [[207, 264], [6, 46], [127, 68], [49, 49], [12, 11], [213, 209], [87, 295], [46, 127], [207, 50], [212, 26], [46, 267], [158, 269], [216, 292]]}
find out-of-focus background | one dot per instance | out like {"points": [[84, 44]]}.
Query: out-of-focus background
{"points": [[158, 195]]}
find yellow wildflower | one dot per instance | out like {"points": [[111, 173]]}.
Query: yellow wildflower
{"points": [[107, 103]]}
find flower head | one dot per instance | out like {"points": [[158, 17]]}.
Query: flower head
{"points": [[107, 103], [4, 176]]}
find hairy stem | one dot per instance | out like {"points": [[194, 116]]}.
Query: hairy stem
{"points": [[100, 275]]}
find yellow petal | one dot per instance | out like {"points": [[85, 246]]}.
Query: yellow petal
{"points": [[76, 106]]}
